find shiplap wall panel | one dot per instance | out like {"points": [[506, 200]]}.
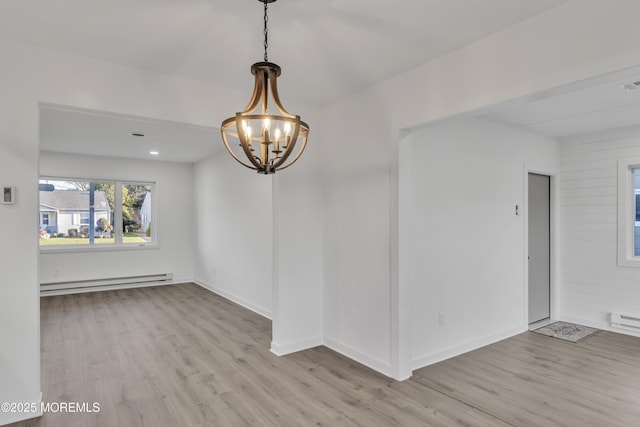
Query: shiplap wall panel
{"points": [[591, 283], [603, 182]]}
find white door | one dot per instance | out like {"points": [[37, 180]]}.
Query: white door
{"points": [[539, 247]]}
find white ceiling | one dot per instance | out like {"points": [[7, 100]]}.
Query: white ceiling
{"points": [[340, 46], [598, 106], [106, 134]]}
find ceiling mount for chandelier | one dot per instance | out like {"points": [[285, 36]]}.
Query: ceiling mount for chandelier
{"points": [[270, 142]]}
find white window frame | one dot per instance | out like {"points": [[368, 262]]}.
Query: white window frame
{"points": [[119, 245], [626, 212], [87, 218]]}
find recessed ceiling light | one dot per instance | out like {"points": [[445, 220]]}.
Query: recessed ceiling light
{"points": [[138, 134], [154, 153]]}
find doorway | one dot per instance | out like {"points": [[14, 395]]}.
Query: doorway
{"points": [[539, 247]]}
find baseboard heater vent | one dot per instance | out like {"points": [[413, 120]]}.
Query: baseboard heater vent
{"points": [[115, 282], [625, 321]]}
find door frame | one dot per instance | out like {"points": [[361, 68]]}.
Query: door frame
{"points": [[552, 173]]}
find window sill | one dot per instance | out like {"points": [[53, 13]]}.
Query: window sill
{"points": [[96, 248], [629, 262]]}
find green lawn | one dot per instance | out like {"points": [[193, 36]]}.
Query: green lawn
{"points": [[57, 241]]}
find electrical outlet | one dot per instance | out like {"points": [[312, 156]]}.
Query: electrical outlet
{"points": [[441, 319]]}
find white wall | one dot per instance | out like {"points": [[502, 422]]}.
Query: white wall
{"points": [[581, 39], [592, 285], [175, 219], [19, 293], [234, 213], [467, 245], [357, 231], [262, 247], [299, 258], [31, 75]]}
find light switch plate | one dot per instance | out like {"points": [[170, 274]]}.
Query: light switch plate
{"points": [[8, 195]]}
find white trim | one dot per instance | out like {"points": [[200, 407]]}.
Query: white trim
{"points": [[118, 244], [295, 346], [371, 362], [430, 359], [552, 173], [18, 417], [400, 247], [275, 263], [7, 418], [118, 227], [626, 215], [234, 298]]}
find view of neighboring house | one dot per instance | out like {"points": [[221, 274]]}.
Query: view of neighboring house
{"points": [[64, 210]]}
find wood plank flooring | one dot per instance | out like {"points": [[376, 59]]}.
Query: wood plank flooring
{"points": [[181, 356]]}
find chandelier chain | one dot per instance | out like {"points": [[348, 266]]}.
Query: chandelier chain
{"points": [[266, 32]]}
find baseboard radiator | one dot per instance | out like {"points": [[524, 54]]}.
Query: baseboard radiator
{"points": [[106, 283], [626, 321]]}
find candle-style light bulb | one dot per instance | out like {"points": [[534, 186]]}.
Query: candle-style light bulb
{"points": [[287, 134], [276, 142], [247, 132], [266, 124]]}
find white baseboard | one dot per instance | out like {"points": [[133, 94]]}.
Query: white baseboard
{"points": [[294, 347], [377, 365], [7, 418], [605, 326], [231, 297], [439, 356]]}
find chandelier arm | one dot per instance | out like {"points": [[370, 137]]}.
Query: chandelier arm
{"points": [[276, 95], [258, 89], [267, 75], [242, 136], [226, 144], [295, 159]]}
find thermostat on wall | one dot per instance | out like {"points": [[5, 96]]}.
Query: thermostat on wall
{"points": [[8, 195]]}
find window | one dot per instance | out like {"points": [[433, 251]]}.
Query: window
{"points": [[84, 218], [629, 212], [95, 213]]}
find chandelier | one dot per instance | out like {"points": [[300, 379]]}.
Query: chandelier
{"points": [[270, 142]]}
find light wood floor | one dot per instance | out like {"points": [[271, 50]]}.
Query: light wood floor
{"points": [[182, 356]]}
